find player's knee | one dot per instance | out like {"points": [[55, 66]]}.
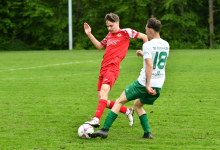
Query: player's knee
{"points": [[104, 94], [105, 87], [119, 101], [137, 105]]}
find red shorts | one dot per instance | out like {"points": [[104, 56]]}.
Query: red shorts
{"points": [[107, 77]]}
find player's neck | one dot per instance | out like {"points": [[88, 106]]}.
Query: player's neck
{"points": [[156, 36]]}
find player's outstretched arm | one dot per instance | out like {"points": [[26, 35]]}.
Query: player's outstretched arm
{"points": [[97, 44], [142, 37]]}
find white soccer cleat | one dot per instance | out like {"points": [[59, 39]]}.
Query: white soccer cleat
{"points": [[93, 123], [130, 116]]}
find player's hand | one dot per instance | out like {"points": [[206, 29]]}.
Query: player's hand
{"points": [[151, 91], [139, 53], [87, 28]]}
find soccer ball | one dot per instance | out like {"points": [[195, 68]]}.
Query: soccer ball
{"points": [[84, 130]]}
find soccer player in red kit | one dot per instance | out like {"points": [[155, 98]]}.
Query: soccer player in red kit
{"points": [[116, 45]]}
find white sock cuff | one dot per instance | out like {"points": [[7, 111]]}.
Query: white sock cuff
{"points": [[128, 111], [96, 119]]}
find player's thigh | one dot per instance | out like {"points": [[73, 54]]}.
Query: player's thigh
{"points": [[138, 104], [110, 77], [135, 91], [106, 77], [122, 99], [105, 88], [119, 102]]}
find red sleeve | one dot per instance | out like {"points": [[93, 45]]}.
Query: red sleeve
{"points": [[131, 33], [136, 35], [104, 42]]}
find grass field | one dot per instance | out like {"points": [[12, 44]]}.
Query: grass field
{"points": [[46, 95]]}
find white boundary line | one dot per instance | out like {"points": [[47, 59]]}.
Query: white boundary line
{"points": [[31, 78], [48, 65], [56, 65]]}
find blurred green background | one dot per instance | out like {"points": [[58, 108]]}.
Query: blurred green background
{"points": [[43, 24]]}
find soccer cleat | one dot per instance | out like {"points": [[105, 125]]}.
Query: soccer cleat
{"points": [[147, 135], [93, 123], [103, 133], [130, 117]]}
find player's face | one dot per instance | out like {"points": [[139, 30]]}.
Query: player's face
{"points": [[112, 27], [149, 33]]}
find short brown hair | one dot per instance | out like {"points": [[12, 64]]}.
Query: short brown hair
{"points": [[112, 17], [154, 24]]}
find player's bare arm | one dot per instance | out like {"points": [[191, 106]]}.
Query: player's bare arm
{"points": [[142, 37], [97, 44], [139, 53], [148, 72]]}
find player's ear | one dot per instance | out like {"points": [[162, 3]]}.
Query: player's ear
{"points": [[151, 31]]}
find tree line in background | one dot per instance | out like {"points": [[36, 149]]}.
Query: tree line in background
{"points": [[43, 24]]}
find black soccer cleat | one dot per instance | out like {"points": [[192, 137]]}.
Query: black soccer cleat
{"points": [[147, 135], [103, 133]]}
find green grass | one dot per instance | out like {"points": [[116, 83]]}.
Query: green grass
{"points": [[46, 95]]}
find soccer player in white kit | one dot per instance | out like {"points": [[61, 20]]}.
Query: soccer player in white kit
{"points": [[146, 89]]}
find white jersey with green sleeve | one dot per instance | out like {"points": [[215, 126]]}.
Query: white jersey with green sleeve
{"points": [[158, 51]]}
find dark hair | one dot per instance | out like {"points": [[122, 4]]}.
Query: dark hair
{"points": [[112, 17], [154, 24]]}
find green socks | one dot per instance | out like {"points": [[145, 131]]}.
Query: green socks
{"points": [[144, 122], [109, 120], [112, 116]]}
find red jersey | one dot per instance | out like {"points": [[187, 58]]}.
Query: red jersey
{"points": [[117, 46]]}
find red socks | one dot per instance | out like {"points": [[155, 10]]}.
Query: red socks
{"points": [[122, 110], [100, 108]]}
